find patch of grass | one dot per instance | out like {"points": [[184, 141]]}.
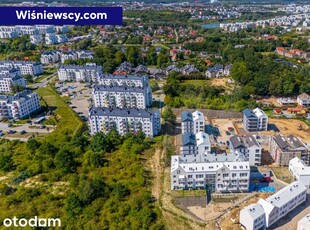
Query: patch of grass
{"points": [[194, 82], [67, 120], [224, 199], [188, 193], [283, 174]]}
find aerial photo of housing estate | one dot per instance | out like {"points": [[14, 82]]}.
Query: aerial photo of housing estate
{"points": [[190, 115]]}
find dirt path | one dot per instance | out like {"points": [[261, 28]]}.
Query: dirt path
{"points": [[173, 217]]}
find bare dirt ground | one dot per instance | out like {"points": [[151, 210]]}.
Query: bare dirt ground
{"points": [[231, 219], [220, 82], [222, 126], [173, 217], [271, 101], [290, 126]]}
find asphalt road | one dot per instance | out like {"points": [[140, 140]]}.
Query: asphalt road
{"points": [[4, 127]]}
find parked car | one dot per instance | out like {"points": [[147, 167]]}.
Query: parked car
{"points": [[265, 180], [10, 124], [11, 131], [22, 132], [42, 127]]}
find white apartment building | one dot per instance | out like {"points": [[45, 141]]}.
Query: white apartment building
{"points": [[45, 29], [76, 54], [85, 54], [70, 55], [195, 146], [50, 56], [248, 146], [192, 122], [304, 223], [252, 217], [27, 30], [255, 120], [36, 39], [10, 71], [124, 121], [78, 73], [62, 29], [8, 32], [51, 39], [300, 171], [25, 67], [122, 96], [8, 80], [124, 80], [274, 207], [218, 175], [303, 99], [20, 105]]}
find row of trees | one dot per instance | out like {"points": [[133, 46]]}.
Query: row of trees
{"points": [[187, 95], [263, 75]]}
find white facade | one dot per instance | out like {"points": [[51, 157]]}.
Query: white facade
{"points": [[275, 207], [262, 119], [195, 146], [199, 122], [36, 39], [192, 122], [303, 99], [304, 223], [248, 146], [20, 105], [252, 217], [122, 97], [79, 73], [25, 67], [45, 29], [8, 32], [8, 80], [124, 121], [70, 55], [300, 171], [49, 57], [51, 39], [76, 54], [255, 120], [217, 176], [203, 143], [124, 80]]}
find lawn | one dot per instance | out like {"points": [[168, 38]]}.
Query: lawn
{"points": [[224, 199], [68, 121], [283, 174], [186, 193], [194, 82]]}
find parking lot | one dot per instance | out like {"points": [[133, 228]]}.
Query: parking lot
{"points": [[16, 131], [80, 97]]}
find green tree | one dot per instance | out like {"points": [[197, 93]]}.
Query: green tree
{"points": [[168, 115], [64, 161]]}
